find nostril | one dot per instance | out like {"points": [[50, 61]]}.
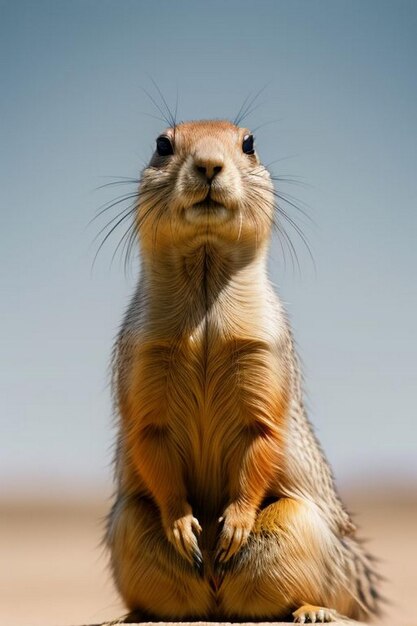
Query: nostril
{"points": [[209, 171]]}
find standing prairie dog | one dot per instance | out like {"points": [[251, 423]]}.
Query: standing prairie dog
{"points": [[225, 506]]}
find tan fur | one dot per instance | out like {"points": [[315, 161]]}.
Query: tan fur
{"points": [[212, 425]]}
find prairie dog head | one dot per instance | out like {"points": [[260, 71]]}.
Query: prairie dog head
{"points": [[204, 184]]}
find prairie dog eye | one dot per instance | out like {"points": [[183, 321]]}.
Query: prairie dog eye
{"points": [[247, 145], [164, 146]]}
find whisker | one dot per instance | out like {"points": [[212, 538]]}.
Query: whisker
{"points": [[237, 118], [284, 237], [154, 102], [113, 228], [176, 110], [110, 205], [251, 110], [286, 178], [291, 201], [157, 221], [291, 248], [276, 228], [155, 117], [285, 197], [289, 178], [127, 211], [247, 105], [122, 242], [127, 241], [299, 233], [124, 181], [144, 193], [240, 226], [128, 247], [171, 117], [287, 158], [267, 124]]}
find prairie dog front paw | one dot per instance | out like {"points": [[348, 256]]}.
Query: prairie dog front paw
{"points": [[237, 524], [182, 532]]}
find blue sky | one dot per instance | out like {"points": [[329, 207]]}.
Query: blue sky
{"points": [[338, 112]]}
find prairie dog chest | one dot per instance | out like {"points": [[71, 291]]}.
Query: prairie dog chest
{"points": [[209, 378], [195, 372]]}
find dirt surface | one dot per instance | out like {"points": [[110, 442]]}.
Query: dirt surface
{"points": [[227, 623], [54, 570]]}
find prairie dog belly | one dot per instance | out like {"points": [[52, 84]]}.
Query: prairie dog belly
{"points": [[212, 395]]}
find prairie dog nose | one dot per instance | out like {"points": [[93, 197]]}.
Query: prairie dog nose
{"points": [[208, 162]]}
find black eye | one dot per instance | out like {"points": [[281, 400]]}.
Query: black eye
{"points": [[247, 145], [164, 146]]}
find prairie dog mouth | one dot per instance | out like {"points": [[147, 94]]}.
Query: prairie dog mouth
{"points": [[207, 209], [207, 205]]}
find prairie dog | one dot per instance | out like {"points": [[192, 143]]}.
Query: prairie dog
{"points": [[225, 505]]}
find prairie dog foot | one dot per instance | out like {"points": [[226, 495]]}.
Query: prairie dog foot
{"points": [[313, 614], [237, 524], [182, 532]]}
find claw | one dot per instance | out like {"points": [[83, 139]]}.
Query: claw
{"points": [[314, 614], [198, 562], [196, 525], [182, 535], [237, 524]]}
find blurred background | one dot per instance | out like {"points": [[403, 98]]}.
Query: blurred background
{"points": [[335, 118]]}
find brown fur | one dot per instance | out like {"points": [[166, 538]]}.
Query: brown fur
{"points": [[212, 424]]}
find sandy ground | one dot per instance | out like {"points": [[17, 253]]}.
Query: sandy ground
{"points": [[53, 570]]}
